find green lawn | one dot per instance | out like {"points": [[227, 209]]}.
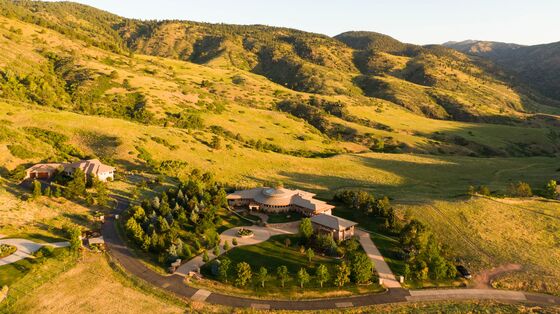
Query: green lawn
{"points": [[284, 217], [10, 274], [274, 253]]}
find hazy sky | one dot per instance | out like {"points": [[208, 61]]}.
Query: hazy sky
{"points": [[419, 21]]}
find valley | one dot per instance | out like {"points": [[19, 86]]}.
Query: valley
{"points": [[259, 106]]}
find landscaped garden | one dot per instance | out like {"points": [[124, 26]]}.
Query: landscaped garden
{"points": [[292, 266]]}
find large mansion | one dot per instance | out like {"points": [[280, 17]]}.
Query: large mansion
{"points": [[279, 200], [92, 168]]}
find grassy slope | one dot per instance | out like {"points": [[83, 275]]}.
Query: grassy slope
{"points": [[489, 232], [104, 289], [175, 85]]}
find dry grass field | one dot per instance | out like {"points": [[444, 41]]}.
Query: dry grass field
{"points": [[92, 286]]}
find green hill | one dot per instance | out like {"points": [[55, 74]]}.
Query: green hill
{"points": [[432, 80], [535, 66]]}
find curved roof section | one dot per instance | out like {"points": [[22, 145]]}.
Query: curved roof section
{"points": [[281, 197]]}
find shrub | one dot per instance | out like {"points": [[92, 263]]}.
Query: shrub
{"points": [[521, 189], [20, 151]]}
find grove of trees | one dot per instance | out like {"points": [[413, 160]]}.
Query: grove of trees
{"points": [[181, 221]]}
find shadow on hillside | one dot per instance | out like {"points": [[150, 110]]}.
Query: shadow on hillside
{"points": [[418, 178]]}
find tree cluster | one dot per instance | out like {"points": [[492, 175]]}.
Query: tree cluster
{"points": [[180, 222], [367, 203], [425, 257]]}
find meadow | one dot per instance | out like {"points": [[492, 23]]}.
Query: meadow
{"points": [[237, 108]]}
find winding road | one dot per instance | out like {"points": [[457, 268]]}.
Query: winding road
{"points": [[175, 284]]}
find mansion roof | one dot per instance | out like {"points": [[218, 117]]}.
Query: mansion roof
{"points": [[281, 197]]}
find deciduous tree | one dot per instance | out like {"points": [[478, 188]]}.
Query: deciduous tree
{"points": [[282, 274], [244, 274], [342, 275], [322, 274], [303, 277], [262, 275]]}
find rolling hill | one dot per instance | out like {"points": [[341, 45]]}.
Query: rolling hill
{"points": [[255, 104], [535, 66]]}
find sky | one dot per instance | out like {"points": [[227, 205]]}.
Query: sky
{"points": [[419, 22]]}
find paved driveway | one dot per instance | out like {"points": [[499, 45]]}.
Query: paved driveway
{"points": [[261, 234], [383, 270], [25, 249]]}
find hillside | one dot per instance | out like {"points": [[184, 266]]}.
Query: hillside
{"points": [[535, 66], [432, 81], [255, 105]]}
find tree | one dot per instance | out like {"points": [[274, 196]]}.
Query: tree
{"points": [[77, 186], [282, 274], [322, 274], [342, 275], [224, 269], [47, 191], [226, 246], [36, 189], [102, 196], [362, 268], [303, 277], [310, 254], [216, 142], [205, 257], [521, 189], [216, 250], [234, 241], [89, 199], [287, 242], [262, 275], [306, 228], [57, 192], [550, 190], [244, 274], [73, 233], [406, 271]]}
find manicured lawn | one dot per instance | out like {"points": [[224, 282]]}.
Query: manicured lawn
{"points": [[272, 254], [284, 217]]}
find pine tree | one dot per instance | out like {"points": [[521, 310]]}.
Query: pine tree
{"points": [[47, 191], [36, 189]]}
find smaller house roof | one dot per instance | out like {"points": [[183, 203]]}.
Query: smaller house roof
{"points": [[333, 222], [45, 167], [90, 167]]}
